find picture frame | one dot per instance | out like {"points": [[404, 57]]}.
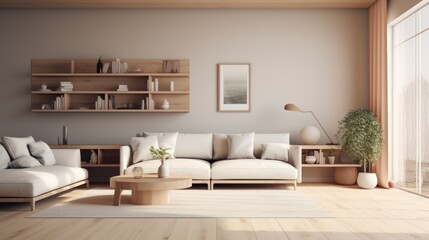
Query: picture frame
{"points": [[233, 87]]}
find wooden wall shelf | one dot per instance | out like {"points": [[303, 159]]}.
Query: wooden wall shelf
{"points": [[89, 87]]}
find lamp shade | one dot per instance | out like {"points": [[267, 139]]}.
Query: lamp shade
{"points": [[292, 107]]}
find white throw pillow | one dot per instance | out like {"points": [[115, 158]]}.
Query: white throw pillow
{"points": [[165, 140], [4, 157], [240, 146], [17, 147], [42, 152], [24, 162], [141, 146], [275, 151]]}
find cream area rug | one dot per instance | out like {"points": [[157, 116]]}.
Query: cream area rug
{"points": [[192, 203]]}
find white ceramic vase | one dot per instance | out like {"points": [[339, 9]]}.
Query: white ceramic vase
{"points": [[164, 169], [137, 172], [331, 159], [367, 180]]}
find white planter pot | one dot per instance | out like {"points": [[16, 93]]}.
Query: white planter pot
{"points": [[331, 159], [367, 180], [163, 170]]}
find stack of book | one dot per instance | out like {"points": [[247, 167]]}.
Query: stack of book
{"points": [[59, 103], [122, 88], [99, 104], [66, 86]]}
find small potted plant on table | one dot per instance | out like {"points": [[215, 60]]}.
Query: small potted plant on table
{"points": [[161, 154], [360, 136]]}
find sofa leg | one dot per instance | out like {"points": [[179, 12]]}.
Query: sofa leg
{"points": [[212, 185], [294, 186], [87, 184], [33, 205], [208, 186]]}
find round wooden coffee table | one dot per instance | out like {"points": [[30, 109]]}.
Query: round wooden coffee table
{"points": [[148, 190]]}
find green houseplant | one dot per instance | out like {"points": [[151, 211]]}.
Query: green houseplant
{"points": [[162, 154], [360, 136]]}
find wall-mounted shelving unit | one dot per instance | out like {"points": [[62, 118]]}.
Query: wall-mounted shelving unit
{"points": [[89, 86]]}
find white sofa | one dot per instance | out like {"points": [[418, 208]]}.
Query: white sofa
{"points": [[36, 183], [203, 157]]}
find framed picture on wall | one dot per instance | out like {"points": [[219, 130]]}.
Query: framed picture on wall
{"points": [[233, 87]]}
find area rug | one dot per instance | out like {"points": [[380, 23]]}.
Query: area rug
{"points": [[193, 203]]}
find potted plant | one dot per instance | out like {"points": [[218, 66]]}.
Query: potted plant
{"points": [[331, 156], [161, 154], [360, 136]]}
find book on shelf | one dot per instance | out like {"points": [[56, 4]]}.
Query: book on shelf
{"points": [[122, 88], [59, 103], [99, 104]]}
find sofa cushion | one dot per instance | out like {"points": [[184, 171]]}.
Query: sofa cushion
{"points": [[141, 146], [199, 146], [253, 169], [261, 138], [17, 147], [195, 168], [31, 182], [275, 151], [4, 157], [165, 140], [220, 143], [25, 162], [240, 145], [42, 152]]}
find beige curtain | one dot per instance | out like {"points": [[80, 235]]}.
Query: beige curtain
{"points": [[378, 79]]}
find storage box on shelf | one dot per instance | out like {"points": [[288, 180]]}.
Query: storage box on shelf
{"points": [[74, 86], [104, 165], [343, 173]]}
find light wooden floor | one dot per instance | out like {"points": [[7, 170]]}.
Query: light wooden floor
{"points": [[361, 214]]}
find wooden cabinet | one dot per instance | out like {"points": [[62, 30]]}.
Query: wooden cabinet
{"points": [[106, 162], [98, 92], [322, 172]]}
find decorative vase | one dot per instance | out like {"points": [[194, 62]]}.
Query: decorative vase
{"points": [[331, 159], [367, 180], [65, 135], [165, 104], [137, 172], [310, 135], [164, 169], [99, 66]]}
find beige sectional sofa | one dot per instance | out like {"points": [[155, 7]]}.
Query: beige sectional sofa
{"points": [[36, 183], [204, 158]]}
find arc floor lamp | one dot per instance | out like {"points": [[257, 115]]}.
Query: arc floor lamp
{"points": [[294, 108]]}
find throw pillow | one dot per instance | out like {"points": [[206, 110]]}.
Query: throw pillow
{"points": [[17, 147], [24, 162], [42, 152], [4, 157], [275, 151], [141, 146], [240, 146], [165, 140], [220, 146]]}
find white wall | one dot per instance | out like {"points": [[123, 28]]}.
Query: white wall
{"points": [[317, 59]]}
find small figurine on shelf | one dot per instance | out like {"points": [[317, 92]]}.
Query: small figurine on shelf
{"points": [[99, 66], [93, 159]]}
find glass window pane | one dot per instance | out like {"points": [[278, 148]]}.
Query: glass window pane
{"points": [[405, 120], [405, 29]]}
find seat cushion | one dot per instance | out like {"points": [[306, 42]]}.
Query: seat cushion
{"points": [[31, 182], [253, 169], [195, 168]]}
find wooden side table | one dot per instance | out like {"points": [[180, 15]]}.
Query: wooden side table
{"points": [[148, 190]]}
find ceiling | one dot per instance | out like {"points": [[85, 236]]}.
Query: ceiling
{"points": [[185, 3]]}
